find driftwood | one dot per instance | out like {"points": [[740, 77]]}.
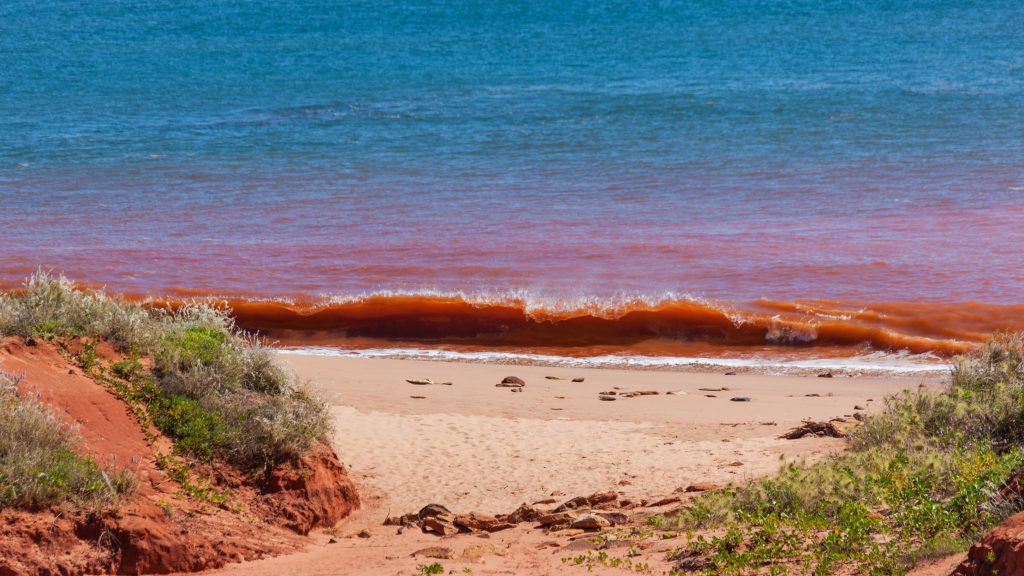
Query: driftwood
{"points": [[835, 428], [428, 382]]}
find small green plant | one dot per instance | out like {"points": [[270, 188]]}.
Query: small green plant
{"points": [[87, 357], [427, 569], [196, 431], [130, 369]]}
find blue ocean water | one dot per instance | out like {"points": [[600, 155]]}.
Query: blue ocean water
{"points": [[870, 150]]}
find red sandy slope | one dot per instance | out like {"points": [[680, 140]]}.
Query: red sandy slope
{"points": [[156, 530]]}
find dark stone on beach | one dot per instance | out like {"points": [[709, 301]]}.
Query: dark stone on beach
{"points": [[740, 399], [730, 373], [608, 393], [710, 396], [577, 379], [511, 382], [858, 407], [825, 374], [553, 378], [607, 398], [431, 510]]}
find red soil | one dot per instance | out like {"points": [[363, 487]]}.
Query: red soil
{"points": [[156, 530]]}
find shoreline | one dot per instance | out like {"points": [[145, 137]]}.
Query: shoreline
{"points": [[899, 366]]}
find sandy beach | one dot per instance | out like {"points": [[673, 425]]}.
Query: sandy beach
{"points": [[473, 446], [484, 447]]}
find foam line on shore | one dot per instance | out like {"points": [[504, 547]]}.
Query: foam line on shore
{"points": [[896, 363]]}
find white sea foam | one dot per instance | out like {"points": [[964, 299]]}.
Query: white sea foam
{"points": [[900, 362]]}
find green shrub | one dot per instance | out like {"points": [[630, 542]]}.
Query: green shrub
{"points": [[196, 431], [921, 479], [216, 391], [39, 466]]}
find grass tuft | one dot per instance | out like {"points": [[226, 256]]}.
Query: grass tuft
{"points": [[39, 464]]}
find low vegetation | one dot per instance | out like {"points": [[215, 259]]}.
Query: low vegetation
{"points": [[39, 465], [215, 390], [922, 478]]}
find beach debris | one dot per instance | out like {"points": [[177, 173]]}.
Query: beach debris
{"points": [[639, 393], [553, 378], [438, 552], [606, 398], [676, 393], [740, 399], [418, 397], [721, 389], [589, 522], [826, 374], [577, 379], [769, 423], [834, 428], [608, 393], [812, 395], [710, 396], [730, 373], [665, 501], [559, 397], [692, 561], [516, 389], [428, 382], [511, 382]]}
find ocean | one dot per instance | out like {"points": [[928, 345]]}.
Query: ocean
{"points": [[683, 178]]}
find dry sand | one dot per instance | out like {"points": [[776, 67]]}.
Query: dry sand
{"points": [[472, 446]]}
